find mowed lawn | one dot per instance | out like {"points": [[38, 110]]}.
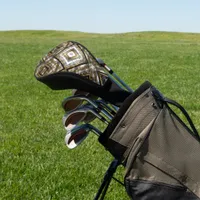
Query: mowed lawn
{"points": [[34, 161]]}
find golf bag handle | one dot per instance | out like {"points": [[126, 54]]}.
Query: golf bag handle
{"points": [[166, 100], [174, 103]]}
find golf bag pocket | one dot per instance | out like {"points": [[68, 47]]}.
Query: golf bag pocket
{"points": [[158, 150], [131, 124]]}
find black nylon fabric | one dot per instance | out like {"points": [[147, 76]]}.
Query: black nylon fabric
{"points": [[65, 80], [148, 190]]}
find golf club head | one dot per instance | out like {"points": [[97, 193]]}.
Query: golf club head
{"points": [[67, 106], [75, 101], [78, 134], [85, 113], [76, 137], [67, 103]]}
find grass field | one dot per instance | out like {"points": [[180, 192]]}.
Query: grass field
{"points": [[34, 162]]}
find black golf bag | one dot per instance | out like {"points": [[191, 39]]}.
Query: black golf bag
{"points": [[159, 152]]}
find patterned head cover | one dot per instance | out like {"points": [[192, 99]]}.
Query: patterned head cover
{"points": [[71, 57]]}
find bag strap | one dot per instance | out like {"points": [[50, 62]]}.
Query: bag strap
{"points": [[166, 100], [174, 103]]}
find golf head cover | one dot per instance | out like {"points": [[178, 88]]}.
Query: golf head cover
{"points": [[70, 65], [71, 57]]}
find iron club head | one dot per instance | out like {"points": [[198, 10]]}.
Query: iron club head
{"points": [[84, 113], [67, 102], [78, 134]]}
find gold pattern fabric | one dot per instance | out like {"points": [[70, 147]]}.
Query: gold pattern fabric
{"points": [[74, 58]]}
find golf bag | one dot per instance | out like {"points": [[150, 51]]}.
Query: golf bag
{"points": [[159, 151]]}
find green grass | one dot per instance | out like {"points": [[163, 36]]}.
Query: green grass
{"points": [[34, 162]]}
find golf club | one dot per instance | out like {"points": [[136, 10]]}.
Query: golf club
{"points": [[112, 73], [84, 113], [75, 136], [76, 118], [93, 97], [103, 105], [69, 103]]}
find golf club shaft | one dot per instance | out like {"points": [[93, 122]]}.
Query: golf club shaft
{"points": [[103, 119], [104, 112], [112, 73], [87, 128], [95, 130], [103, 104]]}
